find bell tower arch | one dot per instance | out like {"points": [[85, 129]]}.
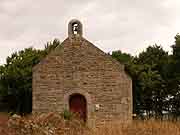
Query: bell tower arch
{"points": [[75, 28]]}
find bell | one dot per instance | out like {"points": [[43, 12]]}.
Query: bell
{"points": [[75, 28]]}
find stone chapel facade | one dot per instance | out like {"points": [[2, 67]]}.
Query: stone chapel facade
{"points": [[79, 77]]}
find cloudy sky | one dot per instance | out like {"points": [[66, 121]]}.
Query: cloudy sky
{"points": [[127, 25]]}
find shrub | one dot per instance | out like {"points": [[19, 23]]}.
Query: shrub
{"points": [[67, 115]]}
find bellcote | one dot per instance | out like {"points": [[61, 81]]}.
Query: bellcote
{"points": [[75, 28]]}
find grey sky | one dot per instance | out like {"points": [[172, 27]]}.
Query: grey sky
{"points": [[127, 25]]}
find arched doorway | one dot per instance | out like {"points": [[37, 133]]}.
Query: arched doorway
{"points": [[78, 105]]}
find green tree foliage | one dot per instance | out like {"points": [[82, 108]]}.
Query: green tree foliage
{"points": [[121, 57], [156, 80], [16, 77], [174, 78], [51, 46], [149, 81]]}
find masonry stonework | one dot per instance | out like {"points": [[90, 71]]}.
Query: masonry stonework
{"points": [[78, 67]]}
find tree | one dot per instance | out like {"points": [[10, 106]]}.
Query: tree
{"points": [[121, 57], [175, 78], [149, 82], [50, 46], [16, 77]]}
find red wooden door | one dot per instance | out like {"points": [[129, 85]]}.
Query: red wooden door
{"points": [[77, 105]]}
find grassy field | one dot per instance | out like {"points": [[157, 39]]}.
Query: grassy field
{"points": [[150, 127], [53, 124]]}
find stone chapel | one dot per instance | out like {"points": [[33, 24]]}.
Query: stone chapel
{"points": [[79, 77]]}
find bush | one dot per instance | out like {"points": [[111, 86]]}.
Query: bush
{"points": [[67, 115]]}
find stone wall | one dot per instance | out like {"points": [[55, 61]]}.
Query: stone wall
{"points": [[77, 66]]}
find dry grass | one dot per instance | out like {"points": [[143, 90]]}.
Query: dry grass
{"points": [[150, 127], [3, 124], [53, 124]]}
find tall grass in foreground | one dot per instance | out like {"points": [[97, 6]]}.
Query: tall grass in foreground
{"points": [[150, 127], [54, 124]]}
